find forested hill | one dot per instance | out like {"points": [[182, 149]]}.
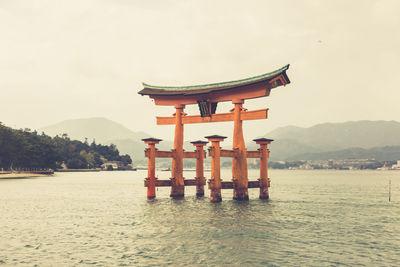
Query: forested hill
{"points": [[104, 131], [335, 136], [385, 153], [26, 149], [293, 142]]}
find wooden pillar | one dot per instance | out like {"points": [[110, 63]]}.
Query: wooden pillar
{"points": [[200, 179], [239, 163], [178, 186], [264, 155], [150, 181], [215, 181]]}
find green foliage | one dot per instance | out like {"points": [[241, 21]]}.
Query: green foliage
{"points": [[26, 149], [76, 163], [126, 159]]}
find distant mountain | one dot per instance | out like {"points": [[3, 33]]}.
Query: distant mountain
{"points": [[327, 140], [101, 129], [291, 141]]}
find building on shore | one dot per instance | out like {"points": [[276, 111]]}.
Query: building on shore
{"points": [[396, 166], [116, 165], [111, 165]]}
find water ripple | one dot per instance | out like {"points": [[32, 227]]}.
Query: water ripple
{"points": [[314, 218]]}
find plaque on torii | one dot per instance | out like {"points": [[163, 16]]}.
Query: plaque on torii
{"points": [[207, 97]]}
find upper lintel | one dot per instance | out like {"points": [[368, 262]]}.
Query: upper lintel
{"points": [[253, 87]]}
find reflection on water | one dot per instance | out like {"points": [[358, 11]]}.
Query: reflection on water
{"points": [[314, 218]]}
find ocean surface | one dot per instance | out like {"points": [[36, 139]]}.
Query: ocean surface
{"points": [[313, 218]]}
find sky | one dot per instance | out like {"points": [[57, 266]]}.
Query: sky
{"points": [[75, 59]]}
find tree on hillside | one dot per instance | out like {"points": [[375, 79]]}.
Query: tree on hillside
{"points": [[125, 159]]}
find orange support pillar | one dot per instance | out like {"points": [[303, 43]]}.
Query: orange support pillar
{"points": [[200, 180], [150, 181], [215, 184], [178, 184], [264, 155], [239, 163]]}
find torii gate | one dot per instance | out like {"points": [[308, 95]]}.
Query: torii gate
{"points": [[207, 97]]}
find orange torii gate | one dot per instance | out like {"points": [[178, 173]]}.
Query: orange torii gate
{"points": [[207, 97]]}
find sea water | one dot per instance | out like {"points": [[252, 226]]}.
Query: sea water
{"points": [[313, 218]]}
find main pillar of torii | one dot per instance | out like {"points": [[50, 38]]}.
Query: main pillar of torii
{"points": [[207, 97]]}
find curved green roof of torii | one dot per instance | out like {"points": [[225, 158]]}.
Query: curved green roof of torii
{"points": [[194, 89]]}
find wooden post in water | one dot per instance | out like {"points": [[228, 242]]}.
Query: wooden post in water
{"points": [[215, 184], [239, 163], [200, 179], [178, 186], [150, 181], [264, 155]]}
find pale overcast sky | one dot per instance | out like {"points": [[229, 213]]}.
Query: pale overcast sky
{"points": [[78, 58]]}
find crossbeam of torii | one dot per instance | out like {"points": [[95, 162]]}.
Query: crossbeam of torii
{"points": [[207, 97]]}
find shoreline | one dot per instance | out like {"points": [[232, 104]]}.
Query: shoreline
{"points": [[77, 170], [21, 175]]}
